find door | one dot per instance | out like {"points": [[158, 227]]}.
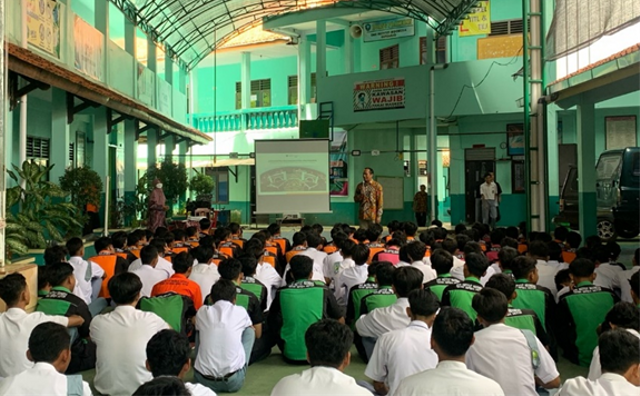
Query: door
{"points": [[478, 162]]}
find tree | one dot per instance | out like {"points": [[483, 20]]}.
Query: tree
{"points": [[201, 184], [173, 177]]}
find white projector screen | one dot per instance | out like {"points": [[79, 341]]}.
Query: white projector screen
{"points": [[292, 176]]}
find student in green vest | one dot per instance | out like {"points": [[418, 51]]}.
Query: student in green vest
{"points": [[581, 311], [442, 262], [298, 306], [506, 255], [249, 282], [531, 295], [384, 295], [359, 291], [461, 294], [60, 301]]}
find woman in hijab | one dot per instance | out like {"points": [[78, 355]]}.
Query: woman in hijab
{"points": [[157, 207]]}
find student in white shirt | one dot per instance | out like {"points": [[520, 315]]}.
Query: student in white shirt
{"points": [[315, 244], [205, 272], [489, 194], [547, 270], [86, 272], [504, 353], [333, 263], [49, 350], [622, 279], [451, 337], [415, 252], [148, 273], [165, 386], [620, 360], [121, 337], [401, 353], [225, 337], [168, 355], [355, 275], [16, 324], [163, 264], [265, 272], [328, 343]]}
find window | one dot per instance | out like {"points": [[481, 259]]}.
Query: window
{"points": [[293, 89], [221, 181], [518, 177], [80, 150], [38, 150], [501, 28], [260, 94], [424, 56], [441, 49], [390, 57]]}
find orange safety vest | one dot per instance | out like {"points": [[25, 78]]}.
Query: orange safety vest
{"points": [[179, 250], [282, 243], [238, 242], [292, 253], [373, 251], [108, 265], [568, 257], [271, 260], [272, 249]]}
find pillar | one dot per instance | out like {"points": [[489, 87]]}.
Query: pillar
{"points": [[100, 160], [182, 79], [553, 162], [59, 135], [321, 50], [130, 160], [348, 52], [182, 160], [168, 69], [4, 131], [586, 133], [169, 146], [245, 79], [152, 63], [102, 24], [152, 144]]}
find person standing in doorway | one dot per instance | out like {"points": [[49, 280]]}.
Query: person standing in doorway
{"points": [[420, 206], [157, 207], [489, 194], [369, 195], [498, 196]]}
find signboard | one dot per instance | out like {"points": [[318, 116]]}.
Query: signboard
{"points": [[388, 29], [478, 21], [89, 50], [43, 25], [379, 94]]}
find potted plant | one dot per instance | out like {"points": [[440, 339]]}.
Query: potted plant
{"points": [[201, 184], [174, 180], [84, 186]]}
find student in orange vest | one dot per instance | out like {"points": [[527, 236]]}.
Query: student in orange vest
{"points": [[119, 240], [236, 234], [192, 236], [179, 282], [410, 228], [205, 227]]}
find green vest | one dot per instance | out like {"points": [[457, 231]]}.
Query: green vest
{"points": [[301, 304], [520, 320], [462, 295], [381, 298], [54, 306], [530, 297], [438, 285]]}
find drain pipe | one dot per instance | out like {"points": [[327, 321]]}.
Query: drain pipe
{"points": [[432, 141]]}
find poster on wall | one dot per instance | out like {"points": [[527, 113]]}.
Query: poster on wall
{"points": [[477, 22], [388, 29], [515, 139], [164, 97], [338, 171], [89, 50], [146, 85], [43, 25], [379, 94]]}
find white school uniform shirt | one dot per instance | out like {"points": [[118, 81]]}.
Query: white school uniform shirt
{"points": [[163, 264], [16, 326], [605, 275], [609, 384], [41, 379], [595, 370], [347, 278], [547, 271], [449, 378], [83, 288], [150, 277], [489, 191], [382, 320], [318, 262], [121, 337], [319, 381], [399, 354], [501, 353], [270, 278], [220, 349], [458, 273], [622, 280], [428, 273], [198, 390], [205, 275], [332, 263]]}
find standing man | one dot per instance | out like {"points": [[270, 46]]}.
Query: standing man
{"points": [[420, 206], [499, 196], [369, 195], [489, 194]]}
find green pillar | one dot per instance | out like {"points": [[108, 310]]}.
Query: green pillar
{"points": [[182, 159], [169, 146], [182, 79], [59, 135], [152, 144], [553, 163], [130, 160], [586, 132], [100, 161]]}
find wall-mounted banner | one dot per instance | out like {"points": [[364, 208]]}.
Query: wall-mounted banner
{"points": [[388, 29], [338, 175], [43, 24], [478, 21], [89, 52], [379, 94]]}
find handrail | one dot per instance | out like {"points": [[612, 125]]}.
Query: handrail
{"points": [[246, 119]]}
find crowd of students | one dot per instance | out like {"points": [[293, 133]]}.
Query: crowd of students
{"points": [[432, 313]]}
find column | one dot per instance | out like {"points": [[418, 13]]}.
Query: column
{"points": [[169, 146], [168, 69], [59, 135], [586, 132], [182, 160], [552, 166], [100, 161], [182, 79], [152, 63], [245, 79], [304, 76], [348, 52], [130, 160], [321, 50], [152, 144], [102, 24]]}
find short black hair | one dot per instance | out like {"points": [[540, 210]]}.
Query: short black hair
{"points": [[299, 238], [179, 234], [370, 170], [427, 237], [58, 273], [348, 247], [124, 288], [582, 268], [119, 239], [406, 279], [538, 249], [522, 266], [160, 244], [101, 244], [509, 242], [223, 289], [301, 266], [148, 254], [74, 245], [43, 277], [360, 254], [619, 350], [625, 315], [555, 251], [167, 352], [274, 228], [560, 233], [574, 239], [182, 262], [11, 286], [373, 232], [562, 276], [191, 231], [472, 248], [502, 283], [477, 264], [161, 232], [490, 304], [459, 228], [249, 264], [634, 282], [453, 331], [461, 241], [497, 235], [47, 341], [416, 250], [410, 228], [360, 235], [512, 232], [204, 224], [601, 254], [506, 256], [384, 273], [163, 386], [585, 253], [234, 228], [436, 223], [450, 245], [55, 254], [313, 239], [614, 250], [203, 253], [441, 261], [328, 343], [592, 241], [230, 269], [423, 302]]}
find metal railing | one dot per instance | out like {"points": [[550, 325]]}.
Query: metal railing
{"points": [[238, 120]]}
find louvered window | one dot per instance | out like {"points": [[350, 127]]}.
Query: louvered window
{"points": [[423, 51], [37, 148], [390, 57], [72, 152], [441, 49], [501, 28], [260, 93], [292, 86]]}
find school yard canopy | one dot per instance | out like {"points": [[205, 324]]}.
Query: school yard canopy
{"points": [[192, 29]]}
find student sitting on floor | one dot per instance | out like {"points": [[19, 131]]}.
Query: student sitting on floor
{"points": [[509, 356], [225, 337], [180, 283], [634, 284], [506, 255], [148, 272], [328, 343], [441, 262], [299, 245], [205, 227], [574, 239], [88, 273], [451, 337], [121, 337], [163, 264], [314, 251], [351, 276], [250, 283], [163, 386], [620, 360], [119, 240], [168, 355], [16, 324], [265, 272], [547, 271], [49, 351], [357, 292], [192, 237], [416, 252], [383, 295], [461, 294], [52, 255], [205, 271], [401, 353], [339, 260]]}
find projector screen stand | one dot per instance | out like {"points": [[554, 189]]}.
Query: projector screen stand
{"points": [[291, 220]]}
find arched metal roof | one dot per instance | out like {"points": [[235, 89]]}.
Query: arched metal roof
{"points": [[191, 29]]}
